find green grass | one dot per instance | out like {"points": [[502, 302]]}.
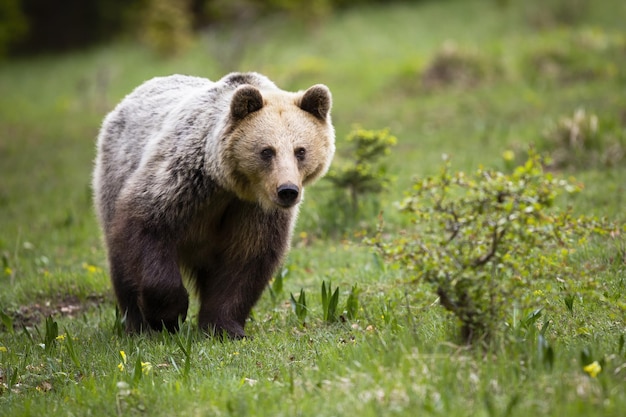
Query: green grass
{"points": [[399, 356]]}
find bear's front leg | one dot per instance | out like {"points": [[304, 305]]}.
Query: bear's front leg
{"points": [[163, 299], [228, 293], [126, 289], [146, 277]]}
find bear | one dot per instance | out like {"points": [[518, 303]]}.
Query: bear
{"points": [[200, 182]]}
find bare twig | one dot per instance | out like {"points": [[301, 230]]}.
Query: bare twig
{"points": [[495, 240]]}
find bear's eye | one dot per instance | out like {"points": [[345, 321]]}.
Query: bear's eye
{"points": [[300, 154], [267, 154]]}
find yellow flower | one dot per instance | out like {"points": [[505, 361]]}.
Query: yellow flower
{"points": [[121, 366], [593, 369], [146, 367], [92, 269], [8, 271], [3, 349], [60, 337], [508, 155]]}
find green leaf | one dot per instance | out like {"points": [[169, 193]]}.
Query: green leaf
{"points": [[352, 303], [7, 322], [531, 318], [330, 302], [276, 289], [569, 302], [585, 356], [52, 332], [137, 371], [70, 348], [299, 306]]}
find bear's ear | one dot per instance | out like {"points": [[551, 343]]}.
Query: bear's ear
{"points": [[317, 101], [246, 100]]}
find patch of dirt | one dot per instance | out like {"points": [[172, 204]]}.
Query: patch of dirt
{"points": [[31, 315]]}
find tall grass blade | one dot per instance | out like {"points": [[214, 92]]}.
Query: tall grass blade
{"points": [[7, 322], [52, 332], [70, 349], [299, 306]]}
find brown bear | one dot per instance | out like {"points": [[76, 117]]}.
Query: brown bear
{"points": [[204, 179]]}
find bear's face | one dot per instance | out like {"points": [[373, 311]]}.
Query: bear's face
{"points": [[278, 143]]}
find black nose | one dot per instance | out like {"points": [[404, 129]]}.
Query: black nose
{"points": [[288, 194]]}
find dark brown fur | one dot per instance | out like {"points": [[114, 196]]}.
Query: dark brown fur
{"points": [[229, 274]]}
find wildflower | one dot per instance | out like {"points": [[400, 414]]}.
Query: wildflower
{"points": [[508, 155], [146, 367], [61, 337], [92, 269], [122, 364], [3, 349], [8, 271], [593, 369]]}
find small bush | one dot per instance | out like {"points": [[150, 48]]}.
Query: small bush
{"points": [[581, 141], [486, 243], [551, 13], [572, 57], [562, 65], [452, 66], [360, 177]]}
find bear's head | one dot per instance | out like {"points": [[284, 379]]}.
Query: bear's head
{"points": [[276, 143]]}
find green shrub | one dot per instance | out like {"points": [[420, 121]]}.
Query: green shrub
{"points": [[551, 13], [452, 66], [570, 57], [489, 242], [582, 141], [361, 176]]}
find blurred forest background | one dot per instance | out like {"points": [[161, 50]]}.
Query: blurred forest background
{"points": [[32, 26]]}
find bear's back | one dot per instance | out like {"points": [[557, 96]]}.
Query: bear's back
{"points": [[130, 127], [142, 113]]}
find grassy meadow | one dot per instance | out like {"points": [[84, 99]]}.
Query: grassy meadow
{"points": [[480, 81]]}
